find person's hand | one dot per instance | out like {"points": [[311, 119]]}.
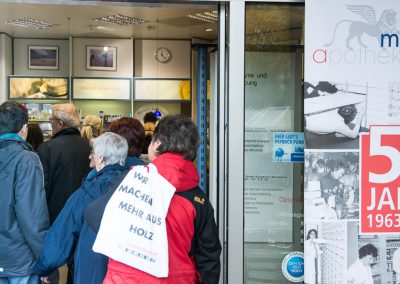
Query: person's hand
{"points": [[45, 280]]}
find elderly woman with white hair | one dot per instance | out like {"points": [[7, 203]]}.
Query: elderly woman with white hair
{"points": [[69, 229]]}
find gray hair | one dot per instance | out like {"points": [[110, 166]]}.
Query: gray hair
{"points": [[67, 113], [112, 147]]}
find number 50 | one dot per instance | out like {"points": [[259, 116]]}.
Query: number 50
{"points": [[376, 149]]}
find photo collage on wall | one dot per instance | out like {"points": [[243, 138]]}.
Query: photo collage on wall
{"points": [[348, 88]]}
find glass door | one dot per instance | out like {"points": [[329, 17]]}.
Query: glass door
{"points": [[273, 139]]}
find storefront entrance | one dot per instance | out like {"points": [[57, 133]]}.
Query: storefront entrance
{"points": [[255, 73]]}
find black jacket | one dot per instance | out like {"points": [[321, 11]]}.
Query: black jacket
{"points": [[23, 211], [65, 160]]}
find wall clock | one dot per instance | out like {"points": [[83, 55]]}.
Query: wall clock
{"points": [[163, 55]]}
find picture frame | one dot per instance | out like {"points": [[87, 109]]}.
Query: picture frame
{"points": [[42, 57], [101, 58], [38, 88]]}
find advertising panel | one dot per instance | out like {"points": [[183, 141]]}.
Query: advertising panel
{"points": [[102, 88], [352, 153]]}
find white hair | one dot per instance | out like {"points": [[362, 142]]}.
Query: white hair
{"points": [[112, 147]]}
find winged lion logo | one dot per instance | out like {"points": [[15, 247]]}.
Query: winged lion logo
{"points": [[370, 26]]}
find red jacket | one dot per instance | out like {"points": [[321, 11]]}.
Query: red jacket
{"points": [[193, 245]]}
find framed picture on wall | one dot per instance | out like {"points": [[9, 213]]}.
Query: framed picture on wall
{"points": [[43, 57], [102, 58]]}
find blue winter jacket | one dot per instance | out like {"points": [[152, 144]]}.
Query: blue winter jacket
{"points": [[70, 230], [24, 217]]}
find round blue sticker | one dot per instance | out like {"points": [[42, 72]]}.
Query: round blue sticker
{"points": [[293, 266]]}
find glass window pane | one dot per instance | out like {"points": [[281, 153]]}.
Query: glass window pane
{"points": [[273, 110]]}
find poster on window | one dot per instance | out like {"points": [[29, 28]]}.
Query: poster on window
{"points": [[352, 117], [288, 147]]}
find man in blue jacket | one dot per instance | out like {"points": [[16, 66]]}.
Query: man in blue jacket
{"points": [[23, 210]]}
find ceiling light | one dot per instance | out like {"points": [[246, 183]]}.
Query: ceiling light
{"points": [[209, 30], [121, 20], [209, 17], [31, 23]]}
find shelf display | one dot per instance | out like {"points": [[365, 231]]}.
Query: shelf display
{"points": [[333, 259], [101, 88], [392, 244], [40, 114], [162, 89], [53, 88]]}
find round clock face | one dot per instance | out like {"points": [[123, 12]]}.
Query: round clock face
{"points": [[163, 55]]}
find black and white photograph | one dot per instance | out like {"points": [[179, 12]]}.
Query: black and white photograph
{"points": [[102, 58], [325, 252], [372, 258], [43, 57], [331, 185], [334, 114]]}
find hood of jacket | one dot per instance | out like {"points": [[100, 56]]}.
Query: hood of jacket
{"points": [[181, 173], [101, 180], [9, 147], [131, 161]]}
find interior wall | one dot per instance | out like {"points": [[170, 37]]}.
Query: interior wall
{"points": [[21, 64], [177, 67], [5, 65]]}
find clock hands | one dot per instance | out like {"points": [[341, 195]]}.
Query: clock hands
{"points": [[162, 55]]}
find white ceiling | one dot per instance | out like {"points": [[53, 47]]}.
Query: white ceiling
{"points": [[173, 22]]}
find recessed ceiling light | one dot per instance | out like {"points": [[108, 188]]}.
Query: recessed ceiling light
{"points": [[209, 30], [121, 20], [31, 23], [209, 17]]}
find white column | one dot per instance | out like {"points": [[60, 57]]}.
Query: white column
{"points": [[236, 32]]}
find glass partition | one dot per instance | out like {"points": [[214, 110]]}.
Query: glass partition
{"points": [[273, 146]]}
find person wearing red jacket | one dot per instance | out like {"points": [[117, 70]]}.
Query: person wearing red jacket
{"points": [[193, 245]]}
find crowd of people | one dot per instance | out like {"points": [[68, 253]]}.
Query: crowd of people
{"points": [[54, 195]]}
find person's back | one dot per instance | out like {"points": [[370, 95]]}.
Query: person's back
{"points": [[193, 244], [24, 217], [65, 158], [69, 229]]}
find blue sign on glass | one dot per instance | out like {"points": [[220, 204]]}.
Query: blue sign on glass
{"points": [[288, 147]]}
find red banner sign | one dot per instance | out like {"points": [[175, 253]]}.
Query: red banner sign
{"points": [[380, 182]]}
